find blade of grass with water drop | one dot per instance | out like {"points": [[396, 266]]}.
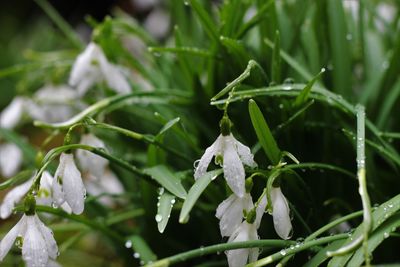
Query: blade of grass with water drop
{"points": [[379, 216], [165, 204], [141, 249], [195, 191], [263, 133], [305, 93]]}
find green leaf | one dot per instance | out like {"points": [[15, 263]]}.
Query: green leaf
{"points": [[305, 93], [17, 179], [321, 256], [195, 191], [167, 179], [264, 134], [141, 248], [165, 204], [375, 239], [168, 125], [379, 216], [205, 19], [276, 60]]}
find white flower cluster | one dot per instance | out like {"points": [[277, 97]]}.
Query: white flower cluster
{"points": [[66, 189], [232, 155]]}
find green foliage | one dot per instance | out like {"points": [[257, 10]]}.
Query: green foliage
{"points": [[286, 72]]}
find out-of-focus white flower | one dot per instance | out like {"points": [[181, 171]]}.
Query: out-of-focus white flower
{"points": [[68, 186], [88, 161], [38, 244], [92, 67], [13, 197], [45, 194], [54, 104], [108, 183], [246, 232], [230, 212], [157, 23], [281, 213], [234, 155], [10, 159], [12, 114]]}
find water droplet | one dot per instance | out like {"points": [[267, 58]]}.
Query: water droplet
{"points": [[281, 106], [173, 201], [283, 252], [196, 163], [349, 37], [128, 244], [158, 218], [136, 255], [54, 205], [385, 234], [161, 190], [385, 65], [288, 81], [186, 3]]}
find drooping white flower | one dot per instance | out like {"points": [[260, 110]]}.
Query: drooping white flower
{"points": [[67, 184], [246, 232], [10, 159], [13, 197], [45, 194], [281, 213], [230, 212], [88, 161], [234, 155], [92, 67], [38, 244], [54, 103], [12, 114], [107, 183]]}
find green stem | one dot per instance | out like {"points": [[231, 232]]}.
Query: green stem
{"points": [[182, 257], [293, 249], [101, 105]]}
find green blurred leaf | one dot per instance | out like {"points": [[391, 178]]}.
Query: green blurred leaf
{"points": [[141, 248], [167, 179]]}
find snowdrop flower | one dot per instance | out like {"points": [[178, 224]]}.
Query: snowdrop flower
{"points": [[281, 213], [92, 67], [245, 232], [37, 241], [12, 114], [54, 104], [234, 155], [10, 159], [67, 184], [108, 183], [230, 212], [88, 161], [45, 194], [13, 197]]}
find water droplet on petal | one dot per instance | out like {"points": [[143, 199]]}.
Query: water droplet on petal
{"points": [[158, 218], [128, 244], [136, 255]]}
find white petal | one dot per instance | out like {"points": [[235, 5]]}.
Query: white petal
{"points": [[72, 184], [47, 234], [83, 65], [13, 197], [260, 210], [58, 192], [10, 159], [88, 161], [205, 160], [231, 213], [52, 263], [12, 114], [280, 213], [233, 169], [245, 154], [8, 241], [34, 249], [115, 79], [111, 183], [238, 257]]}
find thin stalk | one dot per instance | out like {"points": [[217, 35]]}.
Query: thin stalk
{"points": [[361, 175], [297, 247], [182, 257]]}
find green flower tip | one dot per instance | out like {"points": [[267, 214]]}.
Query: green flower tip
{"points": [[225, 125]]}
